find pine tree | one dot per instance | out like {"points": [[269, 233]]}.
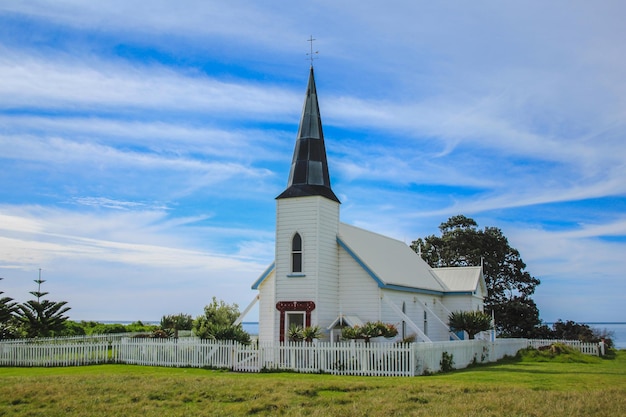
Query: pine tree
{"points": [[42, 318], [8, 309]]}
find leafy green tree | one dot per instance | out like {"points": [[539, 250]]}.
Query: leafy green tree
{"points": [[570, 330], [175, 322], [8, 309], [72, 328], [139, 326], [217, 323], [517, 317], [95, 328], [472, 322], [42, 318], [509, 286], [105, 328]]}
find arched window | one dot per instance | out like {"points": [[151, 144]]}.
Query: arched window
{"points": [[296, 253]]}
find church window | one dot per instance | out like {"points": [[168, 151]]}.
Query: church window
{"points": [[296, 318], [425, 323], [296, 253]]}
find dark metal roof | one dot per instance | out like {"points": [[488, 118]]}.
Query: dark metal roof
{"points": [[309, 167]]}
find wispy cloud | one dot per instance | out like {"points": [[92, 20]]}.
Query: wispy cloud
{"points": [[49, 82], [123, 238]]}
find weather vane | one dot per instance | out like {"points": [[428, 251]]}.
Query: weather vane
{"points": [[312, 54]]}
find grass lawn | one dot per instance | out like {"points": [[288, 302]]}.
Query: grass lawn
{"points": [[528, 387]]}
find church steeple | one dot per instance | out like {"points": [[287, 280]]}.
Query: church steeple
{"points": [[309, 167]]}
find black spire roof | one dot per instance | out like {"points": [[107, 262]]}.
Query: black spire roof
{"points": [[309, 168]]}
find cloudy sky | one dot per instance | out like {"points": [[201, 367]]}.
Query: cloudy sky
{"points": [[142, 143]]}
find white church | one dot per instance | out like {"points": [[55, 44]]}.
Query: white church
{"points": [[330, 274]]}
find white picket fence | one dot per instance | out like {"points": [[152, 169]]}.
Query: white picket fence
{"points": [[586, 348], [53, 354], [94, 338], [187, 352], [347, 358], [464, 353]]}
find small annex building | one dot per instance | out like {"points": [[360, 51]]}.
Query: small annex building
{"points": [[330, 274]]}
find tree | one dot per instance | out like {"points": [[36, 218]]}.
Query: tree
{"points": [[218, 323], [42, 318], [517, 317], [71, 328], [472, 322], [571, 330], [174, 323], [8, 309], [509, 286]]}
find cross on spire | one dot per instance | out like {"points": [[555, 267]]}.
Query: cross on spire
{"points": [[312, 54]]}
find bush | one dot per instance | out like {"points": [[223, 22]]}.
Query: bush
{"points": [[213, 331], [556, 352], [217, 323], [71, 328], [370, 330], [447, 362], [93, 327]]}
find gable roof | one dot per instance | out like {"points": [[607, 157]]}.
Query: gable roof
{"points": [[268, 271], [390, 262], [394, 265], [462, 279]]}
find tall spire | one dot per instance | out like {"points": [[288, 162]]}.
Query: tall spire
{"points": [[309, 167]]}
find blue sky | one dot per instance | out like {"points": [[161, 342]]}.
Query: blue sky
{"points": [[143, 142]]}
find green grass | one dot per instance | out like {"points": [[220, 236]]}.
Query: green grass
{"points": [[530, 386]]}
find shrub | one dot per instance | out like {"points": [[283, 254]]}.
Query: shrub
{"points": [[370, 330], [447, 362]]}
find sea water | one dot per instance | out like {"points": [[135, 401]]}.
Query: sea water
{"points": [[617, 330], [252, 327]]}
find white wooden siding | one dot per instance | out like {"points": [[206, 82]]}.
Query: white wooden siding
{"points": [[416, 304], [462, 303], [267, 309], [327, 290], [316, 219], [360, 295]]}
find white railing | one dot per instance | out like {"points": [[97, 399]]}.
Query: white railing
{"points": [[461, 354], [346, 358], [349, 358], [58, 354], [96, 338], [586, 348], [194, 353]]}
